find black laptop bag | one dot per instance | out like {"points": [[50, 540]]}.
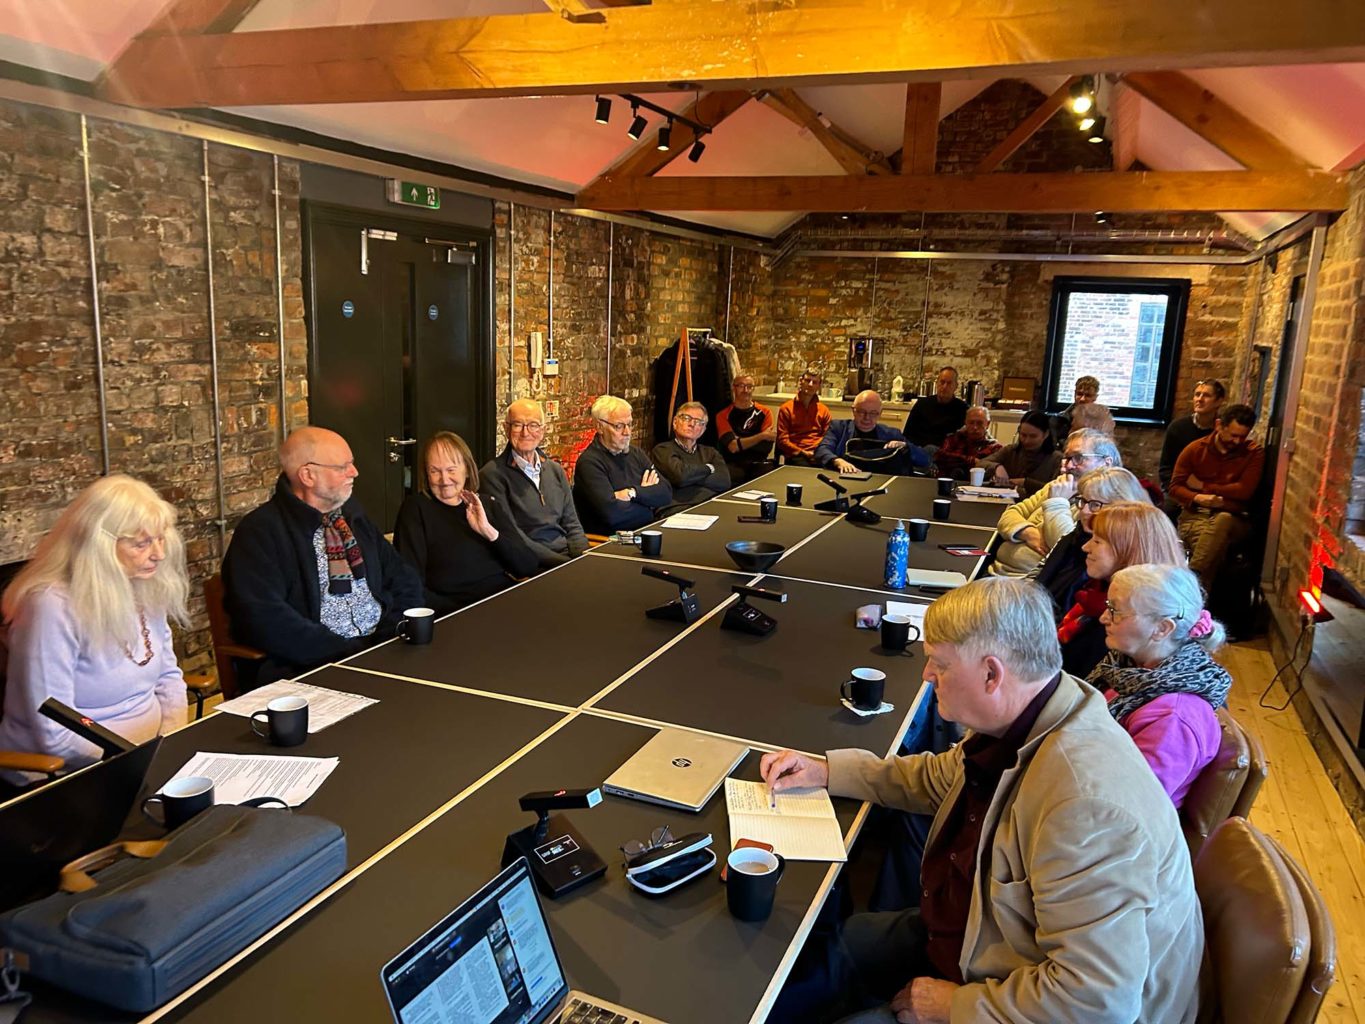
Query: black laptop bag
{"points": [[141, 930]]}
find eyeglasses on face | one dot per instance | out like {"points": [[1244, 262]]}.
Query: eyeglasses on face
{"points": [[1115, 614], [1088, 504], [693, 421], [1080, 457], [620, 428], [338, 467], [534, 427], [633, 848]]}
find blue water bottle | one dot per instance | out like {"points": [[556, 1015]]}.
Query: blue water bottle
{"points": [[897, 554]]}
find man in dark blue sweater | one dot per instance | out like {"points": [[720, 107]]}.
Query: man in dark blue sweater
{"points": [[615, 486]]}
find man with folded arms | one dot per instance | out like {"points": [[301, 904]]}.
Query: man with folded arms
{"points": [[534, 488], [615, 486], [308, 578], [1056, 884], [746, 433], [695, 471], [964, 449]]}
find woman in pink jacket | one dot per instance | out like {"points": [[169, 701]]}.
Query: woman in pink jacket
{"points": [[1161, 682]]}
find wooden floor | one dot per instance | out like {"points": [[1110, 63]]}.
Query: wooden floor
{"points": [[1298, 806]]}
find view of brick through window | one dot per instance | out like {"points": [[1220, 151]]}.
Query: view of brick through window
{"points": [[1117, 338]]}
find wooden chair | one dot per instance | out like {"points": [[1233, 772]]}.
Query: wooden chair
{"points": [[1261, 965], [1214, 793], [225, 649]]}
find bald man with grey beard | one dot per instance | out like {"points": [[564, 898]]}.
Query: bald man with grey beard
{"points": [[308, 578]]}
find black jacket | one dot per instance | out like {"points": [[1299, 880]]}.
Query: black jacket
{"points": [[546, 517], [270, 585], [597, 477]]}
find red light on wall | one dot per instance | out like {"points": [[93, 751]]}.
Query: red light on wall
{"points": [[1313, 607]]}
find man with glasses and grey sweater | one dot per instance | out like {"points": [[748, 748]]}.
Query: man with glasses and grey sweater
{"points": [[535, 488]]}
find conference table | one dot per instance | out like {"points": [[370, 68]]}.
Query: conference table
{"points": [[554, 683]]}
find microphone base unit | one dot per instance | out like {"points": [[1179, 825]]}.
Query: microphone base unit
{"points": [[561, 859], [745, 618], [685, 609]]}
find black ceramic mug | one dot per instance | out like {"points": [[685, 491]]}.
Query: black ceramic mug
{"points": [[418, 625], [945, 486], [897, 631], [864, 688], [285, 720], [751, 878], [793, 494], [180, 800], [651, 543], [942, 506], [918, 529], [767, 509]]}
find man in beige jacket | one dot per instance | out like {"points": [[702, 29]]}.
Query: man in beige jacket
{"points": [[1056, 883]]}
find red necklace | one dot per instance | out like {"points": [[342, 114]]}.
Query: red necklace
{"points": [[146, 642]]}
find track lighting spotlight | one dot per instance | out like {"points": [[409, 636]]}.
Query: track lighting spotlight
{"points": [[1086, 123], [603, 109], [1096, 131], [664, 133], [1082, 95], [694, 154], [1103, 217], [637, 126]]}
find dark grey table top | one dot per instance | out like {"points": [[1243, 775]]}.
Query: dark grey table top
{"points": [[914, 496], [559, 638], [812, 489], [615, 942]]}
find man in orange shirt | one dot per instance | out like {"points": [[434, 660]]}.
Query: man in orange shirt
{"points": [[1214, 480], [802, 422]]}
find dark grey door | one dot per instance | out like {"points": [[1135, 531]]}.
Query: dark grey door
{"points": [[400, 346]]}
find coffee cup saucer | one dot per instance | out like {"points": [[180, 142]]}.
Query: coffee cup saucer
{"points": [[864, 712]]}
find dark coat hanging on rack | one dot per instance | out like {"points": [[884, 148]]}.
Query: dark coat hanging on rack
{"points": [[711, 386]]}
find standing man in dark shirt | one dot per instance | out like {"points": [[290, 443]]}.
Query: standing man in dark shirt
{"points": [[1056, 881], [1208, 399], [933, 419], [746, 433], [615, 486], [695, 471]]}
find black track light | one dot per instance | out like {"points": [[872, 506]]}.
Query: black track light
{"points": [[1096, 134], [694, 154], [603, 109], [1086, 123], [1103, 217], [1082, 95], [665, 133], [637, 127]]}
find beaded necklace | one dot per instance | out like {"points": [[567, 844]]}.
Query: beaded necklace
{"points": [[146, 642]]}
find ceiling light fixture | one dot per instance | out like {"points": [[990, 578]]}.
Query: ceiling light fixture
{"points": [[1096, 132], [664, 143], [603, 109], [1103, 217], [1086, 123], [665, 134], [694, 154], [637, 126], [1082, 95]]}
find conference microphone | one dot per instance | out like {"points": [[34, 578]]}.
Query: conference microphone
{"points": [[838, 487]]}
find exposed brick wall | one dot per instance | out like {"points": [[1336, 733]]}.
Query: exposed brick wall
{"points": [[969, 133], [148, 211]]}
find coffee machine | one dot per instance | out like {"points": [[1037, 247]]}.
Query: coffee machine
{"points": [[863, 366]]}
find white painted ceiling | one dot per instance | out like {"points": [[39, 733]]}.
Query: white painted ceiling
{"points": [[1318, 111]]}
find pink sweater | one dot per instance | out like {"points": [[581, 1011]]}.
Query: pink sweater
{"points": [[1178, 734]]}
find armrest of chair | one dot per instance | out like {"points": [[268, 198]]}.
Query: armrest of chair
{"points": [[596, 539], [44, 764], [197, 683], [241, 651]]}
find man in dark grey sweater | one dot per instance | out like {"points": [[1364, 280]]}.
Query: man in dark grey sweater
{"points": [[697, 472], [1183, 432], [534, 488], [615, 487]]}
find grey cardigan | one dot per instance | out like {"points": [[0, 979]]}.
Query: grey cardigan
{"points": [[546, 518]]}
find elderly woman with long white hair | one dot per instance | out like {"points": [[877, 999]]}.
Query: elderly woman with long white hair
{"points": [[88, 623], [1160, 678]]}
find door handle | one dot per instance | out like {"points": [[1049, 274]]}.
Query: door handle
{"points": [[401, 440]]}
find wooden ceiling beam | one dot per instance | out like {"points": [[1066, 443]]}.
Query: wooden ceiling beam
{"points": [[199, 17], [1027, 128], [919, 151], [853, 156], [1211, 119], [645, 158], [728, 46], [1127, 192]]}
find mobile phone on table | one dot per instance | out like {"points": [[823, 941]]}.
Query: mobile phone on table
{"points": [[739, 846]]}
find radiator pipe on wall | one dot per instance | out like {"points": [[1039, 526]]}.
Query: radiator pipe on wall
{"points": [[729, 282], [611, 268], [221, 521], [924, 322], [279, 294], [550, 311], [95, 299], [511, 303]]}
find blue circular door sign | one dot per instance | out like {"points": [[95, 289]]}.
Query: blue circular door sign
{"points": [[432, 312], [348, 309]]}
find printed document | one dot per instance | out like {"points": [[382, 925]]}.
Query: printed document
{"points": [[238, 777], [752, 495], [325, 707], [801, 827], [689, 521]]}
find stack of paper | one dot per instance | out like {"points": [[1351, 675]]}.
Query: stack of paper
{"points": [[801, 826], [1004, 495], [752, 495], [325, 707], [689, 521], [238, 777]]}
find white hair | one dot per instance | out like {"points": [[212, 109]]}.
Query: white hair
{"points": [[608, 404], [1010, 619], [1170, 592], [981, 409]]}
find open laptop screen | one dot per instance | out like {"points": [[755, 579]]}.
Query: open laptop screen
{"points": [[489, 961]]}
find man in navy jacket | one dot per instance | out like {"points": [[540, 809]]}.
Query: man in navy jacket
{"points": [[615, 486], [893, 454]]}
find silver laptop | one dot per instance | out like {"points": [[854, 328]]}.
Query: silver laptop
{"points": [[492, 960], [677, 768]]}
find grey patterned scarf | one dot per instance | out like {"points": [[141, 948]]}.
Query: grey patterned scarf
{"points": [[1188, 670]]}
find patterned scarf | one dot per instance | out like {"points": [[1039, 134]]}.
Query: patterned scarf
{"points": [[1188, 670], [344, 560], [1089, 606]]}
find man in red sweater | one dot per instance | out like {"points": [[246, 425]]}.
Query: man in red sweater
{"points": [[1213, 482], [802, 422]]}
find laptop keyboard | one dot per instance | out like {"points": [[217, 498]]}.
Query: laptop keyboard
{"points": [[579, 1012]]}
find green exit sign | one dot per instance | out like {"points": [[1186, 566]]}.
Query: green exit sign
{"points": [[414, 193]]}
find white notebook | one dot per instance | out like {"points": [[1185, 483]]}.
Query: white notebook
{"points": [[801, 827]]}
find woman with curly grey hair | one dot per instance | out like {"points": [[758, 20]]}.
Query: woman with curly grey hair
{"points": [[1160, 678]]}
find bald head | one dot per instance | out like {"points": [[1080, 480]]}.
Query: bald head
{"points": [[525, 427], [867, 408], [319, 467]]}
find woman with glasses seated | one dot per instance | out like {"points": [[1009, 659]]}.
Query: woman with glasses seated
{"points": [[464, 546], [88, 625], [1068, 525], [1031, 462], [534, 488], [1121, 534], [1159, 676]]}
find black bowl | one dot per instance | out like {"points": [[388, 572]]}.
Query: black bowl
{"points": [[754, 555]]}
